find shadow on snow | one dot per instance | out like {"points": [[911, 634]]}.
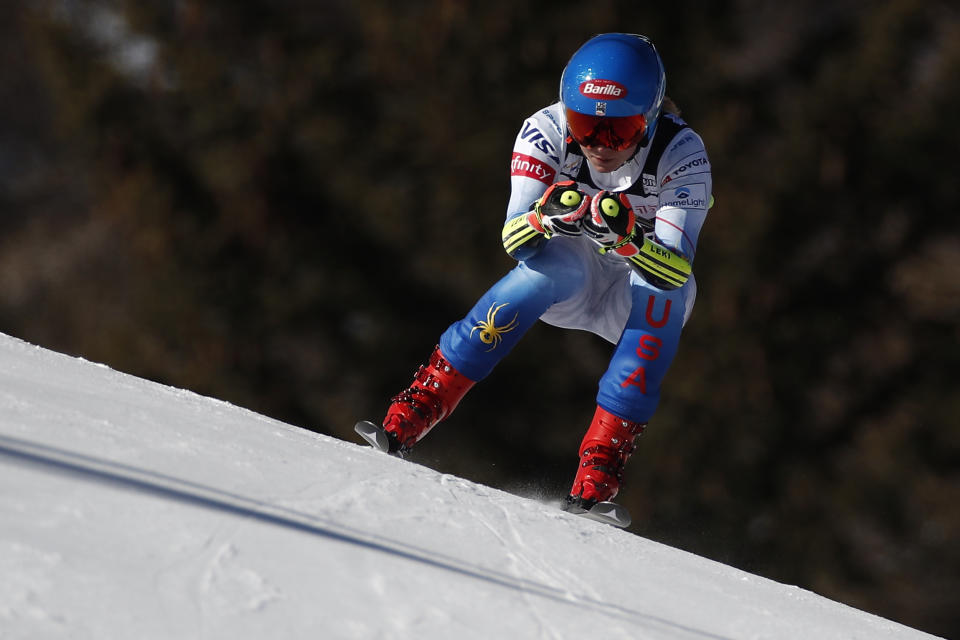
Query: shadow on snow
{"points": [[160, 485]]}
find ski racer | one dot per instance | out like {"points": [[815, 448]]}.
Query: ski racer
{"points": [[609, 191]]}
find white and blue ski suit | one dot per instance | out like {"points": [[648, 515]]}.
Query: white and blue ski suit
{"points": [[568, 283]]}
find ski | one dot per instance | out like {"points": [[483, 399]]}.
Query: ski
{"points": [[374, 434], [606, 512], [609, 513]]}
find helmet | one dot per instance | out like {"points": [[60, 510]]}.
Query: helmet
{"points": [[612, 90]]}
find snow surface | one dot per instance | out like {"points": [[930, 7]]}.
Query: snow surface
{"points": [[133, 510]]}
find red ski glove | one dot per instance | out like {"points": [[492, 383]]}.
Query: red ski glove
{"points": [[561, 208], [559, 211]]}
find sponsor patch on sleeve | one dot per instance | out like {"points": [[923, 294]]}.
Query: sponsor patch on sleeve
{"points": [[695, 163], [689, 196], [529, 167]]}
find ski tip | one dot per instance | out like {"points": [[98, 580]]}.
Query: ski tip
{"points": [[610, 513], [605, 512], [374, 434]]}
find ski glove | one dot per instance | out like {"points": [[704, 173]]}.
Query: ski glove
{"points": [[559, 211], [561, 208], [613, 225]]}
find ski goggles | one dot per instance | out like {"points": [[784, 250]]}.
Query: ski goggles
{"points": [[617, 133]]}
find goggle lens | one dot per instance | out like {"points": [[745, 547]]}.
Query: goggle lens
{"points": [[617, 133]]}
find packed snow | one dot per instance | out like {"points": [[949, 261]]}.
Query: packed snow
{"points": [[129, 509]]}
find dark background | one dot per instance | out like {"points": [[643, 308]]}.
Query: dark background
{"points": [[282, 204]]}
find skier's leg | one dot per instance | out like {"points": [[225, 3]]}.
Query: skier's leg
{"points": [[471, 347], [630, 388], [629, 391], [495, 324]]}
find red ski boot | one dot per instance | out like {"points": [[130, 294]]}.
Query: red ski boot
{"points": [[603, 453], [436, 391]]}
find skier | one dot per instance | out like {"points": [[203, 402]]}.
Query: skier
{"points": [[620, 187]]}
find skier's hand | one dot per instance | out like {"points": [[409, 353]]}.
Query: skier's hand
{"points": [[612, 222], [561, 209], [613, 225]]}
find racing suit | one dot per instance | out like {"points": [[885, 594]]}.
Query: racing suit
{"points": [[567, 282]]}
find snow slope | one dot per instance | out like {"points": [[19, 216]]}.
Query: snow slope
{"points": [[133, 510]]}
